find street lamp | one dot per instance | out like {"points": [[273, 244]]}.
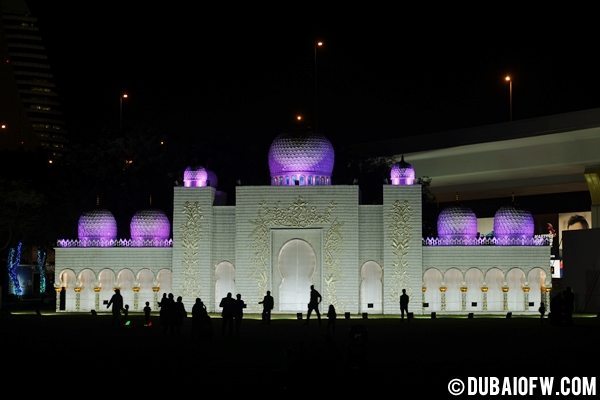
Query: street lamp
{"points": [[121, 97], [318, 44], [508, 79]]}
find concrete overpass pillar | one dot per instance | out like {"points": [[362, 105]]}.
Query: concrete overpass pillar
{"points": [[592, 177]]}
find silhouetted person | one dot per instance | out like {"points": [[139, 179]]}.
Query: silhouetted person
{"points": [[199, 318], [126, 321], [331, 316], [542, 310], [163, 315], [179, 314], [117, 304], [238, 313], [228, 306], [315, 300], [268, 304], [403, 303], [147, 311]]}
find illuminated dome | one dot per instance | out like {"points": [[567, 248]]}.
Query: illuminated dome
{"points": [[149, 226], [194, 177], [301, 159], [457, 223], [211, 179], [512, 223], [97, 228], [402, 173]]}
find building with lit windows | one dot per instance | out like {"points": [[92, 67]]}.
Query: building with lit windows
{"points": [[300, 231], [30, 109]]}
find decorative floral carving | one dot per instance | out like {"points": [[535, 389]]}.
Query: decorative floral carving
{"points": [[191, 233], [400, 240], [297, 215]]}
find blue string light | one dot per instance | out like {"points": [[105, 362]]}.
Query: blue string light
{"points": [[14, 259], [41, 266]]}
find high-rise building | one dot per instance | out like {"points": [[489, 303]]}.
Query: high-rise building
{"points": [[31, 117]]}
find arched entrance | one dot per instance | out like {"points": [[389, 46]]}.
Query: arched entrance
{"points": [[296, 264]]}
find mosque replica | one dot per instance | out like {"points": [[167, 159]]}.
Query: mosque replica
{"points": [[303, 231]]}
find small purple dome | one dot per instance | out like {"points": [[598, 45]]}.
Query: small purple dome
{"points": [[307, 158], [211, 179], [457, 223], [402, 173], [512, 223], [150, 225], [98, 226], [194, 177]]}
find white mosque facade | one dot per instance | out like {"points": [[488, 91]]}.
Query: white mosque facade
{"points": [[303, 231]]}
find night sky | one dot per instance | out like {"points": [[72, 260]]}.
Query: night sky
{"points": [[218, 83], [213, 74]]}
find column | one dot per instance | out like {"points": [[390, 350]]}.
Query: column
{"points": [[57, 289], [77, 290], [526, 290], [463, 298], [505, 298], [443, 291], [484, 290], [97, 298], [136, 298], [546, 295], [423, 290]]}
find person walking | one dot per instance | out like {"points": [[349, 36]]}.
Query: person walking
{"points": [[315, 300]]}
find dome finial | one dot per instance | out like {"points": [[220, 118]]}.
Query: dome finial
{"points": [[456, 196], [150, 200], [97, 200], [513, 198]]}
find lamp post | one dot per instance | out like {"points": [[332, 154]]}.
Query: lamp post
{"points": [[317, 45], [121, 97], [508, 79]]}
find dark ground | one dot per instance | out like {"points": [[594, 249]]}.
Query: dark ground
{"points": [[79, 355]]}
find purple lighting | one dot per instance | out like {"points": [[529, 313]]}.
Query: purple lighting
{"points": [[96, 228], [402, 173], [511, 223], [457, 223], [149, 226], [296, 159], [194, 177], [211, 179]]}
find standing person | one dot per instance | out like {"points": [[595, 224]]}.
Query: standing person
{"points": [[199, 315], [542, 310], [315, 300], [238, 313], [268, 304], [228, 305], [404, 303], [117, 304], [331, 316], [147, 311]]}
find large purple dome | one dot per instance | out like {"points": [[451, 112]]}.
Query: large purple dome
{"points": [[149, 226], [457, 223], [96, 228], [402, 173], [194, 177], [512, 223], [303, 159]]}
